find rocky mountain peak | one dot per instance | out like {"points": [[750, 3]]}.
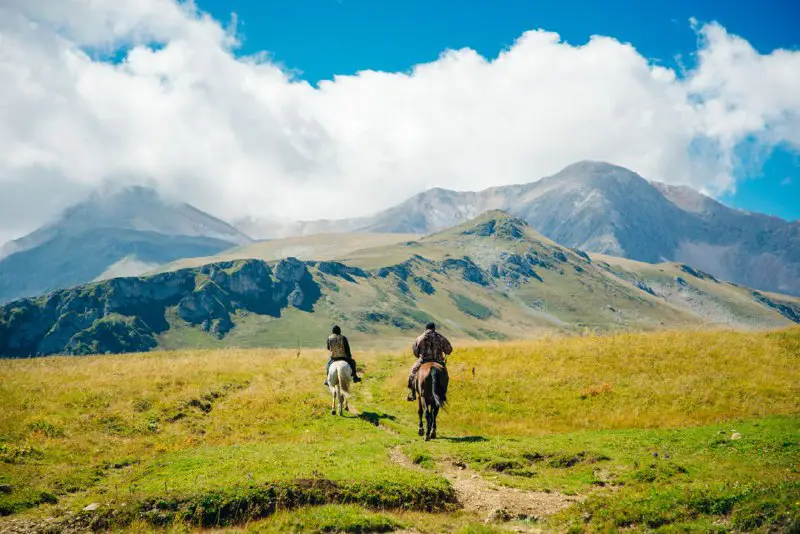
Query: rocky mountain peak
{"points": [[499, 224]]}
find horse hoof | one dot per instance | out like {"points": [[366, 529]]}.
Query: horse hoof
{"points": [[433, 436], [333, 412], [427, 438], [421, 432]]}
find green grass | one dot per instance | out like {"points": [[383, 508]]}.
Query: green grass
{"points": [[244, 438], [648, 477], [329, 519], [471, 307]]}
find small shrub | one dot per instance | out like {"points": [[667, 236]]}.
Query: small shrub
{"points": [[48, 429], [142, 405], [12, 454], [565, 460], [203, 406], [504, 465], [93, 401], [422, 459], [594, 391], [753, 515], [716, 501], [525, 473], [114, 424]]}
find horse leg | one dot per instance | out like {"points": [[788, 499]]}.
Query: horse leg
{"points": [[333, 401], [429, 420], [420, 409], [434, 415], [341, 397]]}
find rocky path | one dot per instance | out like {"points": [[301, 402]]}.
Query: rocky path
{"points": [[479, 496], [490, 501]]}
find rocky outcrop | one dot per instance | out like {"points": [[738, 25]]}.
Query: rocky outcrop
{"points": [[503, 228], [209, 307], [697, 273], [401, 270], [341, 270], [788, 310], [126, 314], [424, 286], [469, 271], [515, 269]]}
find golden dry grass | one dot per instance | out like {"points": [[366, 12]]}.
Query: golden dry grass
{"points": [[654, 380]]}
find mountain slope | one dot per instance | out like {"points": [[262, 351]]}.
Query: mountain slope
{"points": [[133, 226], [607, 209], [492, 277], [311, 247]]}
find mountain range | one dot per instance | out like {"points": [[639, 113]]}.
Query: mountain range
{"points": [[604, 208], [492, 277], [117, 233], [592, 206]]}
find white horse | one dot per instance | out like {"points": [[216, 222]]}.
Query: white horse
{"points": [[339, 378]]}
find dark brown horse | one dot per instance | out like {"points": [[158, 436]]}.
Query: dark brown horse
{"points": [[431, 385]]}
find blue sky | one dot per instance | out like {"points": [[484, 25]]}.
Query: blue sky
{"points": [[322, 38]]}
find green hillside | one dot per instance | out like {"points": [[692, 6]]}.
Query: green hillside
{"points": [[491, 278], [667, 432]]}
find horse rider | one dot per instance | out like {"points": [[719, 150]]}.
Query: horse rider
{"points": [[339, 349], [429, 347]]}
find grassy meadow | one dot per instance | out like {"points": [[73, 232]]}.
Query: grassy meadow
{"points": [[669, 431]]}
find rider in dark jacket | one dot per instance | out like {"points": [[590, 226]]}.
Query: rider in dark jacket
{"points": [[431, 346], [339, 349]]}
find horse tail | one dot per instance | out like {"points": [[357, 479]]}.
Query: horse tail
{"points": [[439, 392], [344, 380]]}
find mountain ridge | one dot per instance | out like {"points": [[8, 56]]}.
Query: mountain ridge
{"points": [[492, 277], [605, 208], [133, 225]]}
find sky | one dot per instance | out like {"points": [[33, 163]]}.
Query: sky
{"points": [[293, 109]]}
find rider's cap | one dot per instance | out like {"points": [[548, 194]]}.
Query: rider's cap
{"points": [[430, 326]]}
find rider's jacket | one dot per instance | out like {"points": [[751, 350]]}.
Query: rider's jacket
{"points": [[432, 347], [337, 345]]}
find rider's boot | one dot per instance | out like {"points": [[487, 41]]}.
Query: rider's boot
{"points": [[356, 378]]}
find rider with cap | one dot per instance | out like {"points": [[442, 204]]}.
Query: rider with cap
{"points": [[339, 349]]}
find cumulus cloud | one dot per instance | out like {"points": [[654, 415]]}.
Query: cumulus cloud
{"points": [[239, 136]]}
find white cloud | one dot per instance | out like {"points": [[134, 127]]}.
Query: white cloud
{"points": [[239, 136]]}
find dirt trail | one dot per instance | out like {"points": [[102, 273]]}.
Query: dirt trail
{"points": [[491, 501], [477, 495]]}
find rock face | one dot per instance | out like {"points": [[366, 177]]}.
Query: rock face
{"points": [[341, 270], [469, 271], [126, 314]]}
